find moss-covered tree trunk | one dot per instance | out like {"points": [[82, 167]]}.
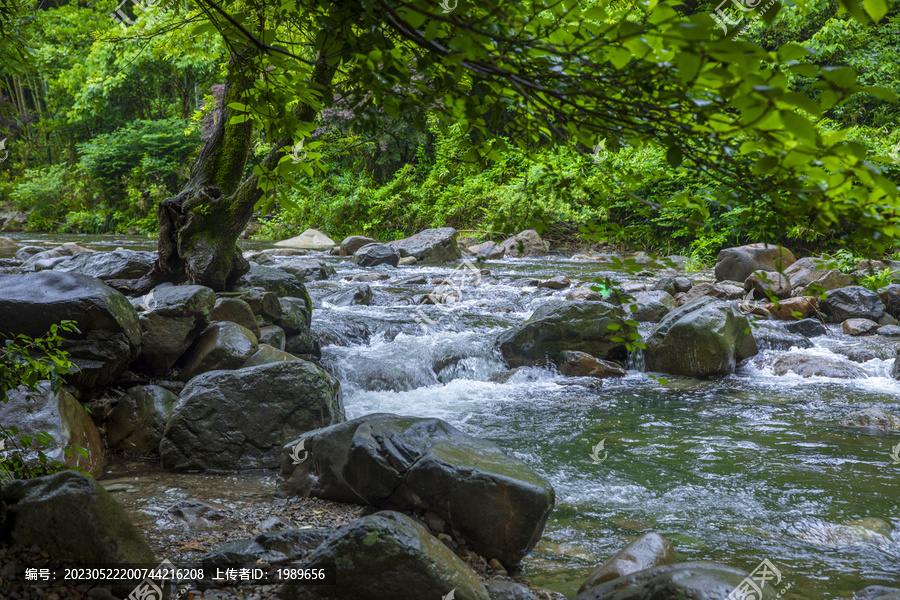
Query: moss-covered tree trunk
{"points": [[199, 228]]}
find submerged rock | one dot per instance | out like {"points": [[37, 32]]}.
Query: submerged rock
{"points": [[648, 551], [872, 418], [388, 555], [806, 365], [581, 364], [491, 501], [210, 430], [688, 581], [704, 338]]}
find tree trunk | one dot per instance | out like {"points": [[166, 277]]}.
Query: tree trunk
{"points": [[199, 228]]}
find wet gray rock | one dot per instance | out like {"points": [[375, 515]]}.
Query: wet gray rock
{"points": [[272, 335], [688, 581], [525, 243], [209, 429], [712, 290], [555, 283], [651, 305], [267, 355], [235, 310], [304, 345], [223, 345], [766, 283], [40, 512], [810, 271], [773, 336], [275, 524], [272, 547], [665, 284], [359, 295], [874, 417], [890, 297], [581, 364], [736, 264], [877, 591], [281, 283], [110, 335], [859, 326], [496, 504], [171, 319], [888, 331], [501, 589], [816, 366], [263, 303], [854, 302], [584, 294], [136, 423], [807, 327], [296, 315], [703, 338], [429, 246], [648, 551], [118, 264], [46, 259], [488, 251], [196, 513], [26, 252], [63, 417], [372, 255], [388, 555], [564, 325], [307, 270], [352, 243]]}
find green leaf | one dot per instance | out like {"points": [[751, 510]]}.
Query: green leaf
{"points": [[876, 8]]}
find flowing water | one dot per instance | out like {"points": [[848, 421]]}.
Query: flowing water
{"points": [[733, 470]]}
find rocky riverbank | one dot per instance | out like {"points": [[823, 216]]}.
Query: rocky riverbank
{"points": [[217, 383]]}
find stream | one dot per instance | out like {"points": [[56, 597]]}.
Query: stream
{"points": [[733, 470]]}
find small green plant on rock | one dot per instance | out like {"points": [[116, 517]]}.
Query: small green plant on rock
{"points": [[28, 363], [879, 279]]}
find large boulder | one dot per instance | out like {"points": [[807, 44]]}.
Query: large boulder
{"points": [[372, 255], [311, 239], [488, 251], [388, 555], [525, 243], [210, 430], [223, 345], [352, 243], [854, 302], [118, 264], [71, 517], [809, 272], [61, 416], [563, 325], [681, 581], [171, 319], [136, 423], [736, 264], [477, 493], [703, 338], [652, 305], [890, 297], [429, 246], [648, 551], [110, 335]]}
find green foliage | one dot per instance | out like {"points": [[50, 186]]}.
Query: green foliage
{"points": [[843, 260], [877, 280], [27, 363]]}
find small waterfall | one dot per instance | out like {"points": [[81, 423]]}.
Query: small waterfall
{"points": [[635, 361]]}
